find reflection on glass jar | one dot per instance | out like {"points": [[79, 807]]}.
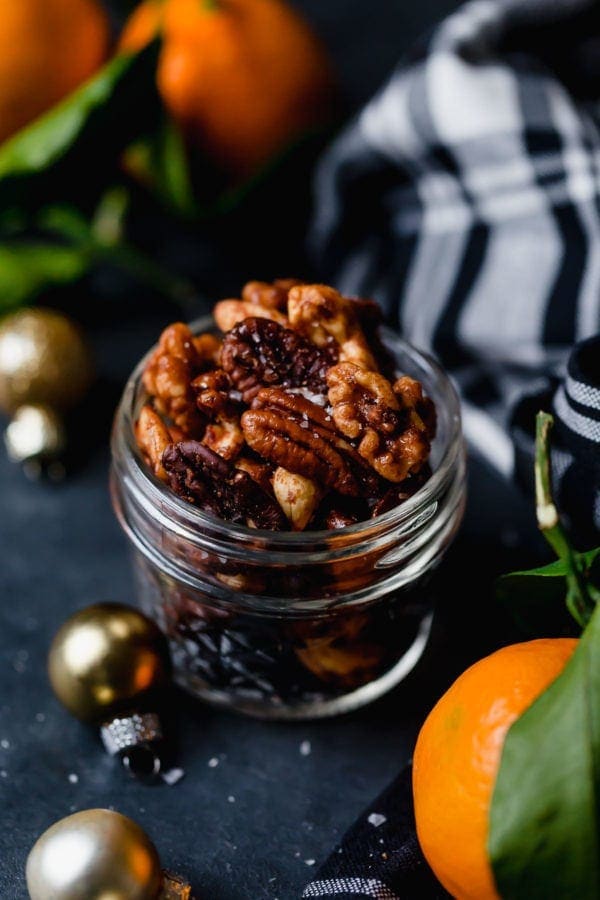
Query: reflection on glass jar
{"points": [[283, 624]]}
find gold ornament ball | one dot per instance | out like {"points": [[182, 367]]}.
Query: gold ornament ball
{"points": [[43, 359], [35, 432], [104, 659], [94, 855]]}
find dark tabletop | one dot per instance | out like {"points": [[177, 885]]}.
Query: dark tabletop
{"points": [[254, 824]]}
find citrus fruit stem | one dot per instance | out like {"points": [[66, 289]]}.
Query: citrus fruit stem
{"points": [[582, 596]]}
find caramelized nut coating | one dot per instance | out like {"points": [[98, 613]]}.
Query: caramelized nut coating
{"points": [[152, 436], [320, 313], [290, 406], [207, 480], [269, 296], [228, 313], [394, 440], [257, 353], [223, 433], [291, 431], [169, 374]]}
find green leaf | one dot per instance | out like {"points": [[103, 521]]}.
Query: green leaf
{"points": [[544, 823], [536, 597], [160, 161], [26, 269], [70, 146]]}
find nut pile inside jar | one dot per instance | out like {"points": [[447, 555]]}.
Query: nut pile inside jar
{"points": [[293, 419]]}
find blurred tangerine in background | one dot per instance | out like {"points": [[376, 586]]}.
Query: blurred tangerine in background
{"points": [[47, 49], [242, 78]]}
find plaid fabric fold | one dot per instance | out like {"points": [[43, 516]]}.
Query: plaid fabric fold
{"points": [[465, 197], [575, 402]]}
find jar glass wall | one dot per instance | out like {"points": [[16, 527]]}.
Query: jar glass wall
{"points": [[283, 624]]}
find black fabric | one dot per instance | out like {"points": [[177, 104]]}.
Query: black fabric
{"points": [[379, 856], [575, 403]]}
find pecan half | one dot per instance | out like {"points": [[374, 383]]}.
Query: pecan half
{"points": [[208, 347], [212, 392], [410, 396], [394, 440], [339, 651], [257, 353], [339, 512], [152, 437], [227, 313], [399, 493], [320, 313], [269, 296], [203, 477], [292, 432], [168, 376], [259, 471], [223, 433], [298, 497]]}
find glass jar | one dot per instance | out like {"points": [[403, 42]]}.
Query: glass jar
{"points": [[282, 624]]}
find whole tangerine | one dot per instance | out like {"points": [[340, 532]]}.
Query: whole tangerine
{"points": [[458, 754], [241, 77]]}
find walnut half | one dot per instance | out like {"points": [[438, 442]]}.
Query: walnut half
{"points": [[321, 314], [392, 437]]}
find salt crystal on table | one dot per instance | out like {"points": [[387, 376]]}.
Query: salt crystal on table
{"points": [[305, 748], [309, 862], [231, 799], [172, 776], [4, 744], [213, 763], [73, 778], [376, 819]]}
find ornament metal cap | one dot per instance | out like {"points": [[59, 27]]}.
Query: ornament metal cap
{"points": [[133, 738]]}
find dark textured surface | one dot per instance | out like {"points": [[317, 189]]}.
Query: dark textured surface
{"points": [[250, 826]]}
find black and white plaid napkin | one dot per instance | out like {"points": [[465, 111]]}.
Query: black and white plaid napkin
{"points": [[465, 197]]}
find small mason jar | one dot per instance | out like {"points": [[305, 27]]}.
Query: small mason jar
{"points": [[288, 625]]}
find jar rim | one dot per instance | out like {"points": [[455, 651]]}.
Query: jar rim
{"points": [[202, 521]]}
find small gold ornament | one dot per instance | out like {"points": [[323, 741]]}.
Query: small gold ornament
{"points": [[106, 665], [97, 854], [43, 359], [36, 433]]}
